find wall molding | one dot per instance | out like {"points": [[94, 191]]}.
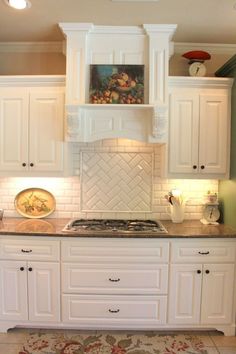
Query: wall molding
{"points": [[31, 47]]}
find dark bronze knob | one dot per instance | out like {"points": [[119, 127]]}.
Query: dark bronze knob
{"points": [[207, 271], [203, 253], [202, 167], [31, 164], [114, 311], [23, 164], [199, 271], [194, 167], [30, 269], [26, 251], [22, 268]]}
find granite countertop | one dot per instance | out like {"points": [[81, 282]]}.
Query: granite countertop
{"points": [[53, 227]]}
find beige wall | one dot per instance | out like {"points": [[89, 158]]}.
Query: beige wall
{"points": [[23, 63], [55, 64]]}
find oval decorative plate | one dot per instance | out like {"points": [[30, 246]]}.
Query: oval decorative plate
{"points": [[35, 203]]}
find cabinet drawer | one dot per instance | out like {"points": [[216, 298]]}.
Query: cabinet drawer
{"points": [[188, 252], [29, 250], [115, 251], [76, 308], [118, 279]]}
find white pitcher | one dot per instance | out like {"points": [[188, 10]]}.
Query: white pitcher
{"points": [[177, 213]]}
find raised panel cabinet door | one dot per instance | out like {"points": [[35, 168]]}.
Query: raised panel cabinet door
{"points": [[46, 131], [217, 294], [183, 132], [13, 291], [214, 130], [44, 291], [185, 294], [13, 129]]}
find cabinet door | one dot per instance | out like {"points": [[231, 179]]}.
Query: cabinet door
{"points": [[217, 293], [213, 143], [184, 130], [185, 294], [13, 129], [13, 291], [46, 131], [44, 291]]}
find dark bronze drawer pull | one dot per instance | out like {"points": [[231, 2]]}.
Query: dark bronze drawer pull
{"points": [[22, 269], [207, 271], [26, 251], [199, 271], [30, 269], [204, 253], [114, 280], [114, 311]]}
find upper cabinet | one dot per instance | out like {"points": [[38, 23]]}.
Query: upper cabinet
{"points": [[199, 127], [31, 125], [147, 45]]}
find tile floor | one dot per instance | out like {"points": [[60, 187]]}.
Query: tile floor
{"points": [[216, 343]]}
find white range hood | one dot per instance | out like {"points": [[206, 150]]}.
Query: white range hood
{"points": [[87, 44]]}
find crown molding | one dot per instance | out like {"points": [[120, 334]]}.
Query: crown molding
{"points": [[31, 47], [213, 48], [32, 80], [208, 82]]}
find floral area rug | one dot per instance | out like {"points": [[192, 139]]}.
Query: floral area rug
{"points": [[109, 343]]}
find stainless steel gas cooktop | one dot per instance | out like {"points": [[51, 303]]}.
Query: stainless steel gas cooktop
{"points": [[104, 226]]}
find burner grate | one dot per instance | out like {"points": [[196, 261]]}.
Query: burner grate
{"points": [[114, 225]]}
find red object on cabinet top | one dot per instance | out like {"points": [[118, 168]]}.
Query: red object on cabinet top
{"points": [[197, 55]]}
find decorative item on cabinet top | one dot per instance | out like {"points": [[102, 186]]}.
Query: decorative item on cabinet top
{"points": [[196, 59], [35, 203], [116, 84]]}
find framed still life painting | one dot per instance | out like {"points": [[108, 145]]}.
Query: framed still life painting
{"points": [[116, 84]]}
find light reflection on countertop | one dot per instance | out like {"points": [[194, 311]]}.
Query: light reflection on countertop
{"points": [[53, 227]]}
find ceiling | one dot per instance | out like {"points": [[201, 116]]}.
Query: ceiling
{"points": [[199, 21]]}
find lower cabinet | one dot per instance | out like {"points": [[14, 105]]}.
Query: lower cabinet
{"points": [[29, 281], [117, 283], [201, 293], [29, 291], [117, 310], [202, 283]]}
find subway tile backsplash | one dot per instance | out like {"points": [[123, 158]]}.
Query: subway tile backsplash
{"points": [[115, 178]]}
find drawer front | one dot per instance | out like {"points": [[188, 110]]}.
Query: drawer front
{"points": [[30, 250], [76, 308], [115, 251], [118, 279], [188, 252]]}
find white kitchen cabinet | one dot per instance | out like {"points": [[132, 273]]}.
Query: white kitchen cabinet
{"points": [[31, 126], [201, 291], [185, 294], [29, 280], [29, 291], [115, 283], [217, 293], [13, 291], [199, 127], [120, 311]]}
